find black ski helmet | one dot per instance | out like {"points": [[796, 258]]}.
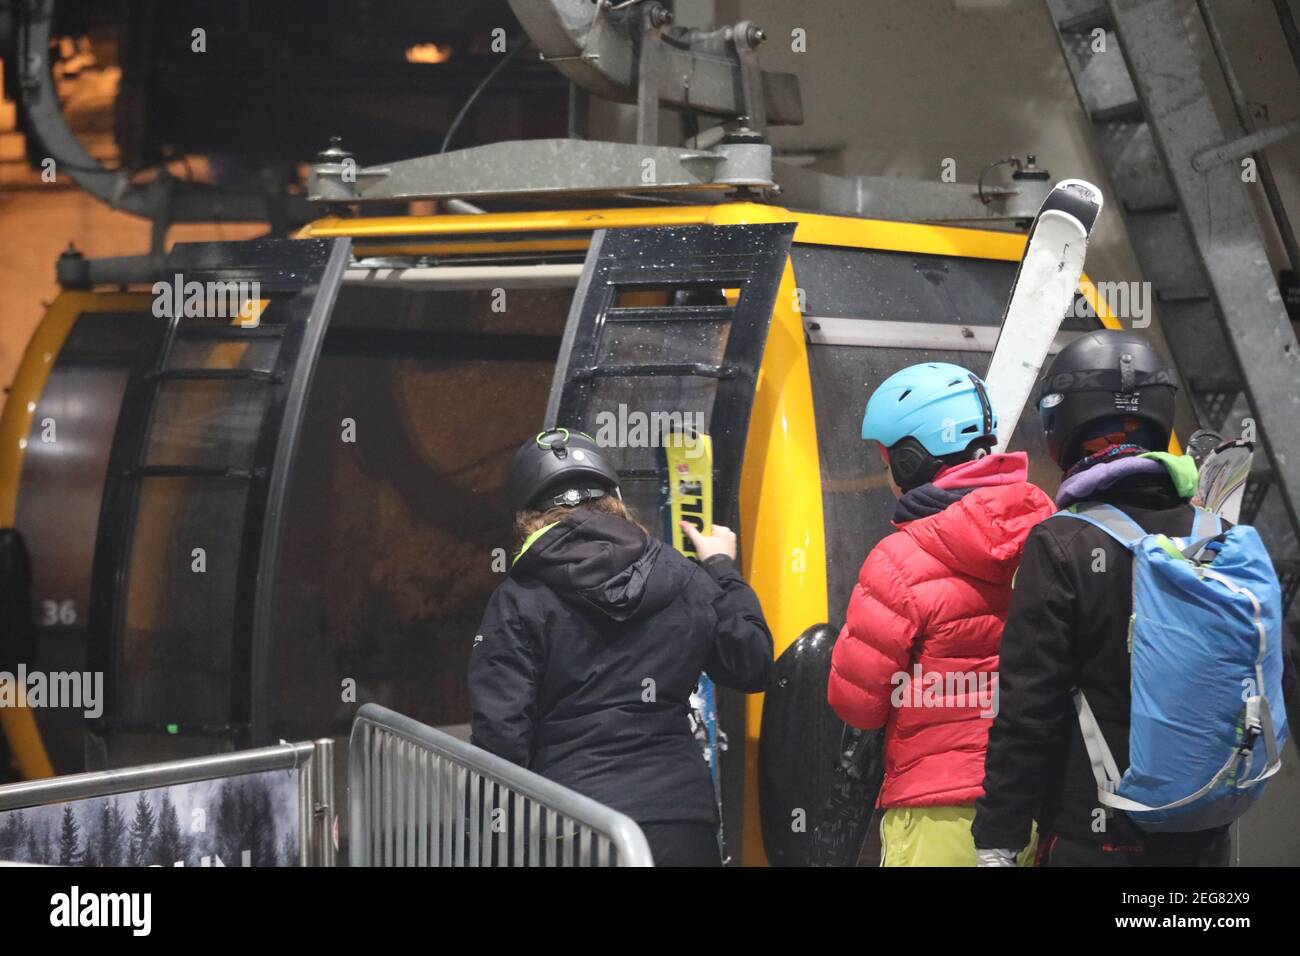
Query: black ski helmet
{"points": [[1104, 374], [559, 467]]}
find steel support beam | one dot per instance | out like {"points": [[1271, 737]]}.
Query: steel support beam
{"points": [[1221, 223], [546, 167], [1245, 145], [906, 200], [560, 168]]}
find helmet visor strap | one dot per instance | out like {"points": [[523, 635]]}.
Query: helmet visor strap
{"points": [[986, 406], [572, 497]]}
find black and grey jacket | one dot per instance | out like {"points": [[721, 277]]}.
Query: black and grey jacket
{"points": [[1067, 627], [587, 657]]}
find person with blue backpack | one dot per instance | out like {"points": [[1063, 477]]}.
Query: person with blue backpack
{"points": [[1142, 668]]}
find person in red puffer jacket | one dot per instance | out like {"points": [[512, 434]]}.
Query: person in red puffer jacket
{"points": [[918, 654]]}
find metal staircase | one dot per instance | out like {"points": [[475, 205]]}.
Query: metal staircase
{"points": [[1178, 178]]}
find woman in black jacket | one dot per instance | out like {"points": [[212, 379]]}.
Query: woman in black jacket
{"points": [[589, 651]]}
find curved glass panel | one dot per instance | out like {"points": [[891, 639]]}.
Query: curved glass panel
{"points": [[400, 528]]}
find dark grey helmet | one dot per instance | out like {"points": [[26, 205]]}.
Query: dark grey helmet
{"points": [[559, 467], [1101, 375]]}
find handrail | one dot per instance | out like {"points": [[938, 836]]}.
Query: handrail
{"points": [[103, 783], [420, 797]]}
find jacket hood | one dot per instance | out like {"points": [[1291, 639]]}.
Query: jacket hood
{"points": [[981, 533], [1008, 468], [600, 561]]}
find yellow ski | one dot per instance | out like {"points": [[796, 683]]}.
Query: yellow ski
{"points": [[690, 485]]}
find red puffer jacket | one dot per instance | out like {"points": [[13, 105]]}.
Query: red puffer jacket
{"points": [[919, 649]]}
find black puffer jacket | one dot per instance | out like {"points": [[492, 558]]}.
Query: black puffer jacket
{"points": [[1067, 627], [588, 655]]}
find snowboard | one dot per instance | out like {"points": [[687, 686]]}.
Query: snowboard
{"points": [[1222, 471], [686, 494], [1042, 293], [817, 778]]}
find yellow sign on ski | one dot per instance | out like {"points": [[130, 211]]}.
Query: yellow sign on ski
{"points": [[690, 485]]}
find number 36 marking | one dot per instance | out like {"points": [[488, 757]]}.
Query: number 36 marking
{"points": [[59, 612]]}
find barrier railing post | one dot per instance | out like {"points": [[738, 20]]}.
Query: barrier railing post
{"points": [[409, 783], [325, 853]]}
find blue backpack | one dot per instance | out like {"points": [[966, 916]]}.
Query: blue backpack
{"points": [[1205, 642]]}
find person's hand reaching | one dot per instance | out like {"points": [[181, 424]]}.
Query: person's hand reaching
{"points": [[721, 541]]}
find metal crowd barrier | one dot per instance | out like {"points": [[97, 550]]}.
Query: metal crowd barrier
{"points": [[314, 760], [420, 797]]}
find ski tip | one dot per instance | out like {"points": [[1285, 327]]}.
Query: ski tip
{"points": [[1080, 186], [1078, 197], [1080, 189]]}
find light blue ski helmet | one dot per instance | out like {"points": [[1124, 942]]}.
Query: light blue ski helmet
{"points": [[943, 406]]}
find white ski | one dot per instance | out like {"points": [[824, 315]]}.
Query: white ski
{"points": [[1221, 484], [1041, 295]]}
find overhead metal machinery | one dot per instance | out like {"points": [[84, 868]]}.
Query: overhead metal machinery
{"points": [[25, 28], [632, 53]]}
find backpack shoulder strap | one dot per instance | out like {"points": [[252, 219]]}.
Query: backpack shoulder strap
{"points": [[1206, 527], [1107, 518], [1206, 524]]}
